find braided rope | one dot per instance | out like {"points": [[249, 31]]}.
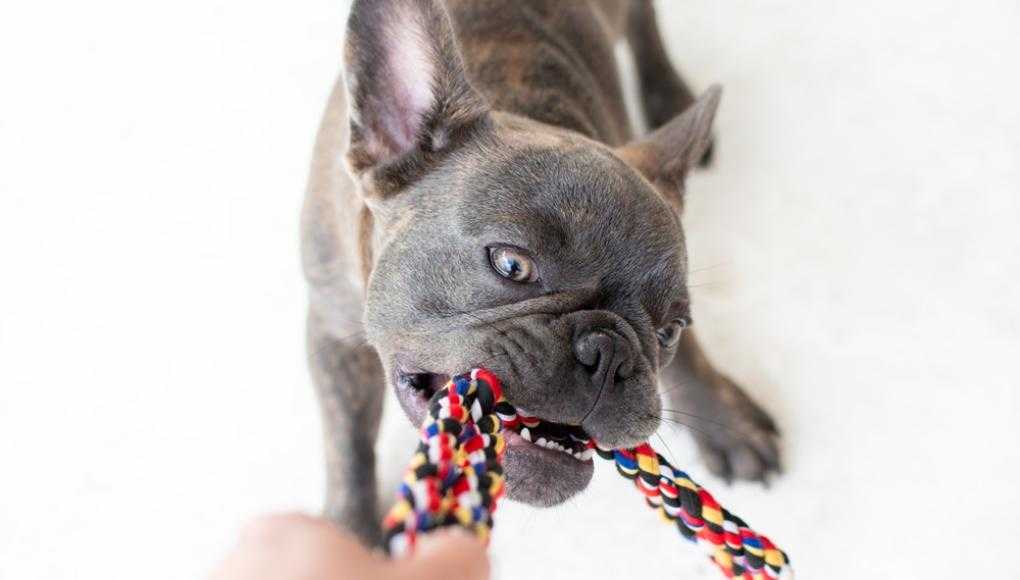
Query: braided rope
{"points": [[456, 478]]}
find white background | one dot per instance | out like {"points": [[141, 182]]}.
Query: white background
{"points": [[856, 266]]}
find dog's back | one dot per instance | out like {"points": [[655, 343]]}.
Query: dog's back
{"points": [[548, 60]]}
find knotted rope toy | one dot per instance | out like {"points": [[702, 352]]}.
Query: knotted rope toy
{"points": [[456, 478]]}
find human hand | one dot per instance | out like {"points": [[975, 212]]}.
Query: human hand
{"points": [[299, 547]]}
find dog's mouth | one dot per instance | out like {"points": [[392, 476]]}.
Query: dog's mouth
{"points": [[424, 384], [520, 428]]}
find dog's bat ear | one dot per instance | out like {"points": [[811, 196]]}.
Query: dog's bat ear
{"points": [[666, 155], [408, 93]]}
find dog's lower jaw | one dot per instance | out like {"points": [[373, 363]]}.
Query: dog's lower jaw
{"points": [[540, 477]]}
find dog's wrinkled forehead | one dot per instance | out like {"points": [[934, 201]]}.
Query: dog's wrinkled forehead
{"points": [[592, 225], [582, 212]]}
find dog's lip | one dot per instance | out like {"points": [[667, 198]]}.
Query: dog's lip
{"points": [[571, 440], [423, 382], [514, 439]]}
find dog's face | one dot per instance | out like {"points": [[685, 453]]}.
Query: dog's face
{"points": [[554, 261]]}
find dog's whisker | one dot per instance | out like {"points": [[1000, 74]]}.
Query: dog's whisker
{"points": [[696, 416], [726, 426], [675, 387], [335, 344], [703, 285], [712, 267], [670, 455], [673, 424]]}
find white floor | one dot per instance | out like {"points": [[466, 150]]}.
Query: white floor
{"points": [[856, 266]]}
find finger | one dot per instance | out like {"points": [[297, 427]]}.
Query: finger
{"points": [[445, 555], [296, 546], [276, 528]]}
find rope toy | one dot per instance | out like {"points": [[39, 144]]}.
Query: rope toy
{"points": [[456, 478]]}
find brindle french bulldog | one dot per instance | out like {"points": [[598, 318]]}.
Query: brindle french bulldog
{"points": [[477, 199]]}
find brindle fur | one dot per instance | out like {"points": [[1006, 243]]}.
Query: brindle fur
{"points": [[534, 100]]}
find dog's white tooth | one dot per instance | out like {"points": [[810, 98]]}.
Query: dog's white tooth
{"points": [[587, 454], [526, 433], [542, 442], [576, 454]]}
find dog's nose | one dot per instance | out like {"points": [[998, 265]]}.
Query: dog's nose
{"points": [[606, 354]]}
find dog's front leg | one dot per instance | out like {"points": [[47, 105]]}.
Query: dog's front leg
{"points": [[349, 379], [664, 94], [735, 436]]}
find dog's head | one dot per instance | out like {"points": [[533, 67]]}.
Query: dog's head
{"points": [[554, 260]]}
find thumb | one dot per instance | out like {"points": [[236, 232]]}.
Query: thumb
{"points": [[450, 554]]}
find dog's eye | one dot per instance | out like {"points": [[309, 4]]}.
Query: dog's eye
{"points": [[513, 264], [669, 335]]}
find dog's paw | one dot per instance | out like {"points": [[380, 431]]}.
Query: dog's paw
{"points": [[736, 438]]}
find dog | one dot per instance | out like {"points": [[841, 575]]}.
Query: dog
{"points": [[477, 198]]}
